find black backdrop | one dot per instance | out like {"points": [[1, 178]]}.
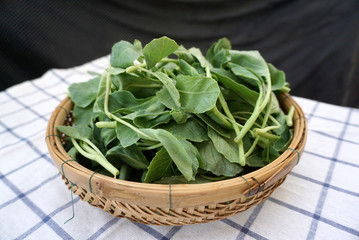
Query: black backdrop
{"points": [[316, 42]]}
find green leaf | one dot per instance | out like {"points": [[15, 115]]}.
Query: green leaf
{"points": [[82, 116], [158, 166], [283, 142], [126, 135], [115, 71], [221, 44], [241, 90], [196, 52], [158, 49], [100, 93], [280, 117], [139, 86], [179, 115], [77, 132], [187, 69], [277, 77], [244, 73], [252, 60], [124, 54], [255, 160], [226, 146], [122, 102], [270, 154], [221, 131], [275, 107], [131, 155], [181, 180], [125, 172], [84, 93], [198, 94], [169, 94], [175, 149], [191, 130], [221, 58], [213, 161], [73, 153], [183, 53], [150, 120], [108, 135], [193, 153]]}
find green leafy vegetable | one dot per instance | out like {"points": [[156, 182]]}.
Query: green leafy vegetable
{"points": [[158, 49], [188, 119]]}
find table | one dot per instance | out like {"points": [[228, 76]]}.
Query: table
{"points": [[318, 200]]}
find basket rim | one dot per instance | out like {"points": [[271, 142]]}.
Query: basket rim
{"points": [[133, 192]]}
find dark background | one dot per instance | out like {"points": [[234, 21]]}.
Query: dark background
{"points": [[316, 42]]}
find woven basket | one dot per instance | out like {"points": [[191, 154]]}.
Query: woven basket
{"points": [[178, 204]]}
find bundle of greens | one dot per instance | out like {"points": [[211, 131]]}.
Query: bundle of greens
{"points": [[167, 114]]}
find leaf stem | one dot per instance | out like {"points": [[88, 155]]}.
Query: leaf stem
{"points": [[264, 123], [219, 118], [103, 124], [151, 147], [166, 60], [92, 154], [135, 67], [260, 105], [241, 157], [208, 72], [289, 116], [112, 116]]}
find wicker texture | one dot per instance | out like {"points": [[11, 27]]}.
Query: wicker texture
{"points": [[179, 204]]}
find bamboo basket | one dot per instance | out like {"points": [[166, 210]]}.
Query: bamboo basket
{"points": [[179, 204]]}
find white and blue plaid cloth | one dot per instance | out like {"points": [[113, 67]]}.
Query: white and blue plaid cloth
{"points": [[318, 200]]}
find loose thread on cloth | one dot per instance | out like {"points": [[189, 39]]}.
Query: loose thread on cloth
{"points": [[249, 186], [72, 197], [296, 152], [169, 195], [90, 188]]}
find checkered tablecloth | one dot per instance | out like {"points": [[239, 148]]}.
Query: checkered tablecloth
{"points": [[318, 200]]}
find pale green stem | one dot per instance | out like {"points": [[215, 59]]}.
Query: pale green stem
{"points": [[221, 117], [145, 70], [112, 116], [257, 109], [107, 94], [208, 72], [135, 67], [251, 149], [265, 134], [94, 147], [289, 117], [265, 119], [166, 60], [151, 147], [103, 124], [138, 131], [284, 89], [83, 152], [241, 157], [245, 119], [93, 155], [274, 120]]}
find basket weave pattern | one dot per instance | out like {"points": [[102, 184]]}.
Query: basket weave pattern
{"points": [[177, 216], [180, 204]]}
